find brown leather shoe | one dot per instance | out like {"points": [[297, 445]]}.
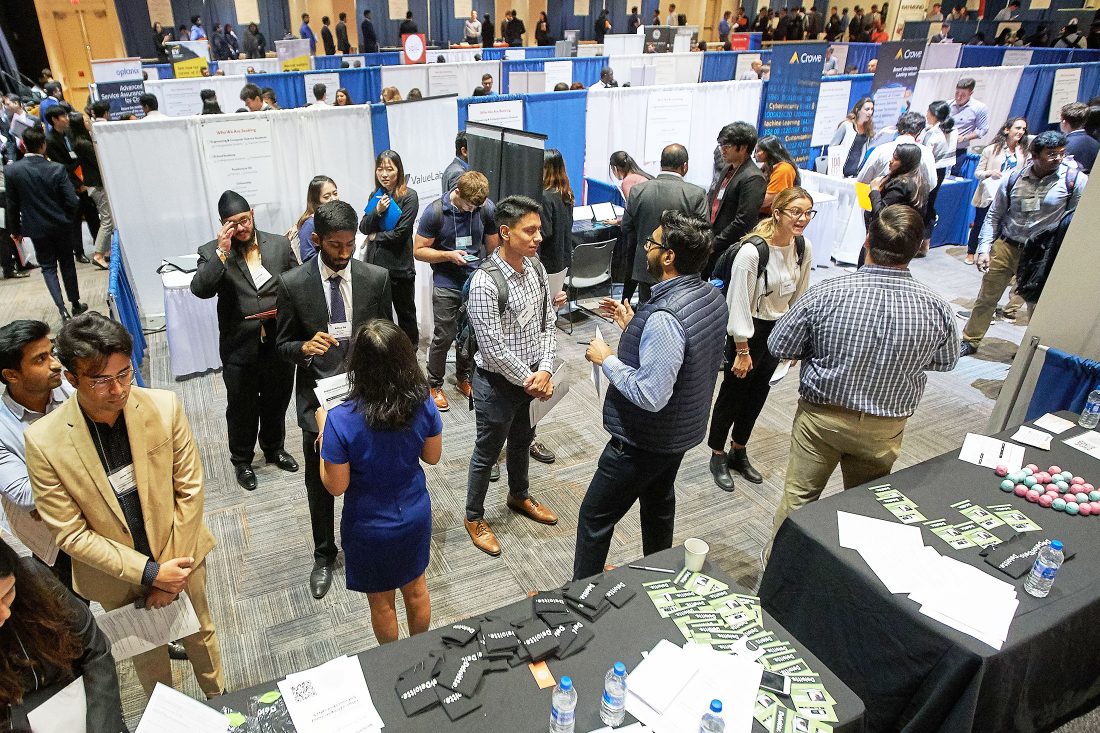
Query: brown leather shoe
{"points": [[532, 510], [464, 386], [483, 537], [440, 399]]}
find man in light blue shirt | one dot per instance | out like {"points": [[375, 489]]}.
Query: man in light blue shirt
{"points": [[198, 33], [971, 120], [32, 377], [306, 32]]}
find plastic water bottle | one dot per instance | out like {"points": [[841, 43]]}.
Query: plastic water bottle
{"points": [[1045, 568], [1090, 416], [712, 721], [563, 706], [613, 704]]}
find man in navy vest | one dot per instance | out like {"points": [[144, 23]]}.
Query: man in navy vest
{"points": [[656, 412]]}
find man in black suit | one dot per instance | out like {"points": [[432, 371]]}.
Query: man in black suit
{"points": [[368, 39], [735, 200], [42, 205], [59, 149], [408, 26], [326, 37], [321, 304], [342, 44], [242, 268], [649, 199]]}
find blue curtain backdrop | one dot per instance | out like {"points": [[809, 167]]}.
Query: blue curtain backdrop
{"points": [[275, 21], [388, 29], [364, 85], [721, 65], [385, 58], [380, 127], [860, 54], [125, 305], [212, 11], [544, 113], [1032, 99], [1064, 384], [137, 28]]}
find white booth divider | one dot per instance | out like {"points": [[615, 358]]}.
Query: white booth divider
{"points": [[235, 67], [621, 44], [437, 79], [995, 86], [453, 55], [180, 97], [164, 179], [671, 68], [642, 120]]}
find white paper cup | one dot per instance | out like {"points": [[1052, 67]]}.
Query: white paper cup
{"points": [[695, 552]]}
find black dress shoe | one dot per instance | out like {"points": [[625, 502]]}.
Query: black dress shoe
{"points": [[320, 580], [494, 472], [739, 461], [176, 651], [720, 471], [79, 308], [82, 259], [283, 460], [15, 274], [246, 477], [541, 453]]}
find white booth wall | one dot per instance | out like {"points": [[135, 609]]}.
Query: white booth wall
{"points": [[436, 79]]}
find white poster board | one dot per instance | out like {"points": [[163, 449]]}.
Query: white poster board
{"points": [[515, 54], [941, 55], [330, 79], [744, 65], [668, 120], [832, 106], [557, 72], [181, 97], [239, 157], [517, 82], [1064, 91], [1017, 57], [443, 79], [502, 114]]}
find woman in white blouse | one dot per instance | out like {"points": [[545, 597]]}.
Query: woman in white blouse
{"points": [[853, 135], [940, 136], [1007, 151], [757, 299]]}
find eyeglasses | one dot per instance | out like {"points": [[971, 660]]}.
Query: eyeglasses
{"points": [[650, 243], [798, 214], [124, 378]]}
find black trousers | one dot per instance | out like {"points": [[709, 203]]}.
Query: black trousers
{"points": [[976, 230], [322, 511], [89, 213], [54, 251], [8, 258], [257, 396], [740, 400], [626, 474], [930, 207], [403, 291], [501, 412]]}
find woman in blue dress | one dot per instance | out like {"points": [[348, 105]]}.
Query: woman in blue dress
{"points": [[371, 448]]}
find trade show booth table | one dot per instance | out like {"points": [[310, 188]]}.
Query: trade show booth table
{"points": [[912, 672], [191, 324], [512, 701]]}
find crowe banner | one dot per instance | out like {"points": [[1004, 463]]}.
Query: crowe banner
{"points": [[189, 58], [792, 96], [119, 82], [895, 79]]}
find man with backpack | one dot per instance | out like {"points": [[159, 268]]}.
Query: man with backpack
{"points": [[1026, 213], [512, 320], [455, 233]]}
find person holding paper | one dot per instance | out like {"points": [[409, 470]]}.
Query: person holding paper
{"points": [[241, 268], [658, 394], [320, 305], [865, 340], [853, 134], [115, 473], [371, 448], [48, 639], [388, 224], [761, 290], [512, 317], [31, 375]]}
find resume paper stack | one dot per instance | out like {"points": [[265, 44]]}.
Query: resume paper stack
{"points": [[332, 698]]}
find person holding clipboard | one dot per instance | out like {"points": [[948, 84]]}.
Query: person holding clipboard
{"points": [[388, 224]]}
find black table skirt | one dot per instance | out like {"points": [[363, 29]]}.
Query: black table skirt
{"points": [[512, 702], [914, 673]]}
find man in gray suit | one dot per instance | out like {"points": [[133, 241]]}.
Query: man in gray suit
{"points": [[649, 199]]}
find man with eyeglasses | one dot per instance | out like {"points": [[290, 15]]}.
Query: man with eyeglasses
{"points": [[1027, 211], [117, 479], [737, 196], [659, 391]]}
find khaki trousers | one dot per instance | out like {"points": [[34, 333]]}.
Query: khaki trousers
{"points": [[1003, 260], [822, 436], [202, 647]]}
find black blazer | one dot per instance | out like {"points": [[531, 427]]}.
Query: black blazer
{"points": [[41, 198], [556, 250], [393, 250], [58, 152], [342, 44], [327, 41], [303, 311], [368, 39], [740, 207], [238, 296]]}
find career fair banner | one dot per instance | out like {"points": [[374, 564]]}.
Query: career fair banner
{"points": [[331, 80], [792, 96], [895, 78], [120, 83], [188, 58], [293, 55]]}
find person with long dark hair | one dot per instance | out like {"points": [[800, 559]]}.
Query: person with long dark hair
{"points": [[89, 169], [542, 31], [603, 26], [343, 98], [854, 133], [159, 37], [321, 190], [391, 246], [624, 169], [556, 250], [940, 136], [778, 167], [904, 184], [371, 448], [487, 31], [48, 638]]}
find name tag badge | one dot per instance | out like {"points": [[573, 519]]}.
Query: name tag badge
{"points": [[526, 315], [341, 330], [463, 243], [260, 275], [72, 154], [123, 480], [786, 287], [1030, 204], [721, 193]]}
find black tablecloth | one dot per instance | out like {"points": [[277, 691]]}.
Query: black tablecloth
{"points": [[512, 702], [916, 674]]}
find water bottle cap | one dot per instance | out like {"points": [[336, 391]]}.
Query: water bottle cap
{"points": [[620, 669], [1056, 545], [716, 706], [566, 684]]}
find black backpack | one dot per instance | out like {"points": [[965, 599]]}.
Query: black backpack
{"points": [[723, 267]]}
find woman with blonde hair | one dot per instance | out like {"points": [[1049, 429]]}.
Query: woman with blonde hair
{"points": [[390, 95]]}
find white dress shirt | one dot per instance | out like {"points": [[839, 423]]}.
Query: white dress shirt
{"points": [[878, 162]]}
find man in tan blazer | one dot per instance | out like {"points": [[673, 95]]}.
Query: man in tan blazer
{"points": [[117, 479]]}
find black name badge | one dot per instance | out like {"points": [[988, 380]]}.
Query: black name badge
{"points": [[619, 594]]}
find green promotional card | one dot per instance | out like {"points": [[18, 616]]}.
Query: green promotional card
{"points": [[979, 515]]}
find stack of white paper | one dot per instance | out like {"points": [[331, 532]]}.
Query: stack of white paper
{"points": [[983, 450], [672, 688], [959, 595], [135, 630], [332, 698], [170, 711], [332, 391]]}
